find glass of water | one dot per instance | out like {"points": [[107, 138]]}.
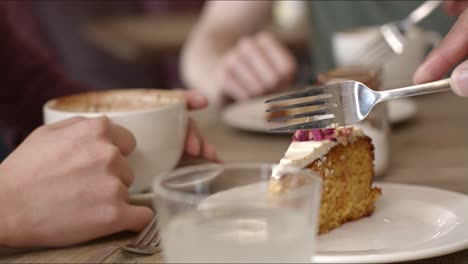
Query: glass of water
{"points": [[220, 213]]}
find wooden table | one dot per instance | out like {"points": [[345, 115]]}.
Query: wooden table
{"points": [[431, 150], [139, 38]]}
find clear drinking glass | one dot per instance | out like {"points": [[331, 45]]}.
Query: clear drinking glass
{"points": [[226, 213]]}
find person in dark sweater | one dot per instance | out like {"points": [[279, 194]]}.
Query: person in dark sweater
{"points": [[67, 182]]}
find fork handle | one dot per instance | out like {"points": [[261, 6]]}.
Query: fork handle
{"points": [[421, 12], [426, 88]]}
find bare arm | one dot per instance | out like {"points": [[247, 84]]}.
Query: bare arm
{"points": [[216, 56], [221, 24]]}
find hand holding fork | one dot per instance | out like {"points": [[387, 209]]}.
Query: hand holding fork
{"points": [[393, 37], [344, 103]]}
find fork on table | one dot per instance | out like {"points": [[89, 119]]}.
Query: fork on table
{"points": [[341, 103], [147, 243], [393, 37]]}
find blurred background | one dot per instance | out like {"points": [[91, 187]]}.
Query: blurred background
{"points": [[72, 32], [137, 43], [129, 43], [126, 43]]}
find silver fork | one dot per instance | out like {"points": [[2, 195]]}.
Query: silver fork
{"points": [[342, 103], [146, 243], [392, 37]]}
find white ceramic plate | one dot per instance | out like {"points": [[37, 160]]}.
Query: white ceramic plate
{"points": [[410, 222], [250, 115]]}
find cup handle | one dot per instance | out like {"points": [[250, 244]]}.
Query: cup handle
{"points": [[432, 39]]}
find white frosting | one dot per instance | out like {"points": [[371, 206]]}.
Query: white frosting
{"points": [[302, 153]]}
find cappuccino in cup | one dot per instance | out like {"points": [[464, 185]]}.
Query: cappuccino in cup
{"points": [[115, 101], [157, 119]]}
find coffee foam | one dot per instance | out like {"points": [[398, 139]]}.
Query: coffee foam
{"points": [[116, 100]]}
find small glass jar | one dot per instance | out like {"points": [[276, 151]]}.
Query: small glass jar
{"points": [[376, 125]]}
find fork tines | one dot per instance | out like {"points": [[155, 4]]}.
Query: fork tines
{"points": [[376, 53], [309, 92], [301, 115], [148, 241], [309, 118], [305, 126], [299, 105], [387, 44]]}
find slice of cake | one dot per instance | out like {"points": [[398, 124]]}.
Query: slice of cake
{"points": [[343, 157]]}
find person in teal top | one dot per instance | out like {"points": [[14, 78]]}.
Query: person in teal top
{"points": [[228, 55], [328, 17]]}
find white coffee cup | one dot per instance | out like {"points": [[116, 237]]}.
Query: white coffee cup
{"points": [[157, 119], [398, 71]]}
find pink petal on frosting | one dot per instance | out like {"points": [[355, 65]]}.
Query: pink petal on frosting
{"points": [[317, 134]]}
